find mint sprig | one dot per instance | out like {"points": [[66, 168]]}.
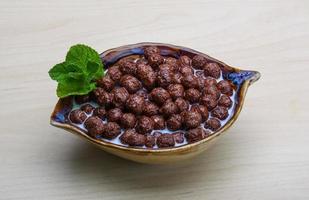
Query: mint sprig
{"points": [[77, 74]]}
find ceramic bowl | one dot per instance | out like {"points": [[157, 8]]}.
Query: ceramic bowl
{"points": [[242, 79]]}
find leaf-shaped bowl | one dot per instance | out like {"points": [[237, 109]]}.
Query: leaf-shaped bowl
{"points": [[242, 79]]}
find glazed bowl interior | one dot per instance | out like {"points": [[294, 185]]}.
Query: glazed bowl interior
{"points": [[241, 79]]}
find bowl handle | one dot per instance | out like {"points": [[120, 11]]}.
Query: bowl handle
{"points": [[244, 75]]}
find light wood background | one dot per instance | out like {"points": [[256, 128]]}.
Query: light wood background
{"points": [[265, 155]]}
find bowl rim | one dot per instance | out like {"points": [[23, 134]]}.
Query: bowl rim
{"points": [[242, 93]]}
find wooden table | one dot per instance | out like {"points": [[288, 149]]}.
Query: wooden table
{"points": [[265, 155]]}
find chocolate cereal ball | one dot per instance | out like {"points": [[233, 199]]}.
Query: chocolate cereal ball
{"points": [[191, 119], [175, 90], [127, 66], [158, 122], [196, 134], [174, 122], [225, 101], [131, 83], [213, 70], [128, 120], [111, 131], [213, 124], [114, 73], [209, 81], [135, 104], [182, 104], [151, 50], [146, 74], [164, 78], [225, 87], [169, 108], [155, 60], [172, 62], [199, 61], [192, 95], [120, 96], [220, 112], [106, 83], [186, 70], [213, 91], [209, 101], [114, 115], [77, 116], [97, 92], [150, 109], [102, 97], [132, 138], [150, 141], [144, 125], [165, 140], [95, 126], [202, 110], [87, 108], [124, 138], [100, 112], [184, 61], [136, 140], [159, 95], [190, 81]]}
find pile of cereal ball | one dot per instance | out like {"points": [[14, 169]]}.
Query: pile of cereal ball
{"points": [[154, 101]]}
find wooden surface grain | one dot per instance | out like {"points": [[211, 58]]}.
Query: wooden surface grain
{"points": [[265, 155]]}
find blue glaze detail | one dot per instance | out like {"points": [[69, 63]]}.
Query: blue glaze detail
{"points": [[139, 51], [60, 117], [239, 77]]}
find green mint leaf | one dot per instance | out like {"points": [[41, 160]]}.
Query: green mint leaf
{"points": [[70, 86], [58, 71], [77, 75], [94, 70], [81, 54], [72, 67], [61, 70]]}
